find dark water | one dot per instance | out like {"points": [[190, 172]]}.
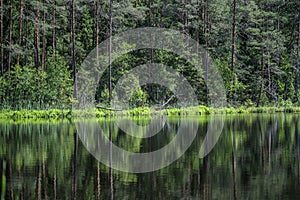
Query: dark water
{"points": [[256, 157]]}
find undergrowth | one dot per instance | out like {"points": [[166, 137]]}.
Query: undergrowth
{"points": [[141, 111]]}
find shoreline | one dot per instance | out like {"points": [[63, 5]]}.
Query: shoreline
{"points": [[142, 111]]}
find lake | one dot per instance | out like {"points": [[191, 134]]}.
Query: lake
{"points": [[256, 157]]}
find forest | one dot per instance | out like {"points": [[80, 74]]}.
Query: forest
{"points": [[255, 45]]}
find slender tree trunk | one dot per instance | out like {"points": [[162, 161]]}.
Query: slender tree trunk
{"points": [[268, 57], [73, 42], [205, 39], [233, 50], [1, 38], [185, 14], [20, 30], [298, 58], [44, 39], [203, 18], [197, 26], [54, 30], [26, 37], [96, 36], [150, 24], [269, 72], [150, 87], [37, 38], [184, 28], [261, 80], [110, 46], [10, 35], [97, 30]]}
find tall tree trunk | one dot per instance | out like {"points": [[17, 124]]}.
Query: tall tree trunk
{"points": [[269, 71], [96, 36], [20, 30], [203, 17], [73, 42], [37, 38], [205, 38], [183, 17], [44, 38], [54, 30], [96, 29], [262, 63], [150, 87], [268, 57], [261, 80], [150, 24], [26, 37], [110, 46], [197, 27], [298, 58], [233, 50], [10, 34], [1, 37]]}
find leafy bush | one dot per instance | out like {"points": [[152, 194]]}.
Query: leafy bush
{"points": [[138, 99], [30, 88]]}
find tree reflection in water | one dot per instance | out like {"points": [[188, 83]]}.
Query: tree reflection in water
{"points": [[256, 157]]}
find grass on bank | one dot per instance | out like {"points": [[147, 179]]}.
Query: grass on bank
{"points": [[142, 111]]}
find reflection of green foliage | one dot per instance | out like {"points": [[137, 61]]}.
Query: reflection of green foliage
{"points": [[3, 183], [30, 143], [264, 147]]}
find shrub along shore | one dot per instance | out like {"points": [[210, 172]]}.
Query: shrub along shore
{"points": [[142, 111]]}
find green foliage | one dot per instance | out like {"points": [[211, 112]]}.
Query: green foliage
{"points": [[35, 114], [138, 99], [59, 86], [30, 88], [266, 60], [139, 111]]}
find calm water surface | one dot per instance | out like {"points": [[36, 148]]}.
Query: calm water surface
{"points": [[256, 157]]}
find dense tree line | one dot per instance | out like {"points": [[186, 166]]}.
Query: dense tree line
{"points": [[255, 45]]}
